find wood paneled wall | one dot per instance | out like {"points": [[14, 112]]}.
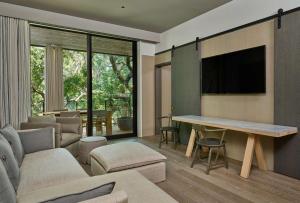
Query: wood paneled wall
{"points": [[253, 107], [148, 95]]}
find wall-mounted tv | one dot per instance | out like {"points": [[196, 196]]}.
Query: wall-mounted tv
{"points": [[240, 72]]}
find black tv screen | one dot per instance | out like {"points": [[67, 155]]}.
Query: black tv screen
{"points": [[240, 72]]}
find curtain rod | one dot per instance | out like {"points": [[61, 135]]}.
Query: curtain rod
{"points": [[235, 28]]}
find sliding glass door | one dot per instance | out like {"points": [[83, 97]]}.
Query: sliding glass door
{"points": [[112, 87], [96, 75]]}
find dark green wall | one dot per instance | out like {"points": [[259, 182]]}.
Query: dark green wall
{"points": [[185, 82]]}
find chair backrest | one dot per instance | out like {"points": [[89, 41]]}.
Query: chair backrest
{"points": [[215, 133], [70, 114]]}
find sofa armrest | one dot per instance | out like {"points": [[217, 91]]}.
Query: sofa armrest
{"points": [[56, 126], [37, 139], [116, 197], [74, 122]]}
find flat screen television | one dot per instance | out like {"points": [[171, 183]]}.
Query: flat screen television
{"points": [[240, 72]]}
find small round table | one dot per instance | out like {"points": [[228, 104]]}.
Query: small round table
{"points": [[87, 144]]}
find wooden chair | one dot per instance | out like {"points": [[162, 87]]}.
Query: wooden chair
{"points": [[171, 129], [211, 143]]}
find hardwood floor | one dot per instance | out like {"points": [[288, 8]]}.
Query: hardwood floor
{"points": [[192, 185]]}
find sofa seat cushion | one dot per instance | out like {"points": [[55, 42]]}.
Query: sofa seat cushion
{"points": [[125, 155], [136, 186], [48, 168], [69, 138]]}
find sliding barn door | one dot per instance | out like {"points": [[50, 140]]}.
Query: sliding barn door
{"points": [[287, 93], [185, 82]]}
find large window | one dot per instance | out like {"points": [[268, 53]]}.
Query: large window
{"points": [[61, 79], [75, 75], [37, 63]]}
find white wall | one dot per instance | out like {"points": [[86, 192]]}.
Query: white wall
{"points": [[144, 49], [47, 17], [230, 15]]}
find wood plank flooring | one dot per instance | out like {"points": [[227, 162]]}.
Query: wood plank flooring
{"points": [[192, 185]]}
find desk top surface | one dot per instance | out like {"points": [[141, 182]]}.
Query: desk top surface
{"points": [[237, 125]]}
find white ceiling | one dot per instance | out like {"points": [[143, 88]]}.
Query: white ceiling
{"points": [[151, 15]]}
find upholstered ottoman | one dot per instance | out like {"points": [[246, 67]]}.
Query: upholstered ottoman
{"points": [[128, 156], [87, 144]]}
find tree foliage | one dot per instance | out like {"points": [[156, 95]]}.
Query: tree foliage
{"points": [[111, 81]]}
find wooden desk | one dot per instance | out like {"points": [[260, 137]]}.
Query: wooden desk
{"points": [[252, 129]]}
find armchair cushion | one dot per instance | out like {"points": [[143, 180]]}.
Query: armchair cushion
{"points": [[69, 138], [70, 124], [7, 192], [42, 119], [37, 139], [10, 163], [56, 126], [70, 128], [12, 136]]}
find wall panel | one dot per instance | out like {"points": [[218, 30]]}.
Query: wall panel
{"points": [[253, 107]]}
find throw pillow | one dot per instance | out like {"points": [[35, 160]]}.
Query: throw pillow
{"points": [[78, 197], [7, 192], [9, 161], [12, 136]]}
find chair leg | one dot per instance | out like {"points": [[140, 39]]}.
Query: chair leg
{"points": [[209, 160], [225, 157], [161, 138], [195, 156], [166, 137], [217, 155], [175, 139]]}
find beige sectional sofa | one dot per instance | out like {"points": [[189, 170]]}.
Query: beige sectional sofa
{"points": [[49, 173]]}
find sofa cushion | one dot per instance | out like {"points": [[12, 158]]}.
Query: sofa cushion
{"points": [[7, 192], [9, 161], [101, 190], [42, 119], [70, 127], [12, 136], [125, 155], [69, 138], [137, 187], [48, 168]]}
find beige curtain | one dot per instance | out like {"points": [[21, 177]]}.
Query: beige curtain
{"points": [[54, 79], [15, 102]]}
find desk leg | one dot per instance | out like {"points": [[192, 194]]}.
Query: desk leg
{"points": [[253, 144], [191, 143], [248, 156], [261, 162]]}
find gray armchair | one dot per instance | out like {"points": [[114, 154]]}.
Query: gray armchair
{"points": [[68, 131]]}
